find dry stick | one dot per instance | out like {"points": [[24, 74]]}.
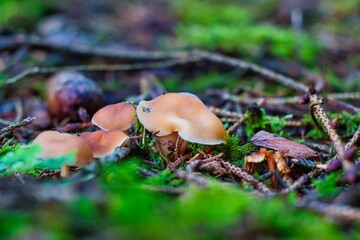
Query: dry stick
{"points": [[213, 158], [155, 55], [222, 112], [219, 58], [172, 167], [288, 100], [36, 42], [355, 138], [5, 122], [293, 123], [297, 184], [225, 119], [346, 95], [236, 124], [246, 177], [340, 212], [343, 106], [92, 68], [316, 110], [16, 125]]}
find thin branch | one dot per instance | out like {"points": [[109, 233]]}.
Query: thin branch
{"points": [[295, 185], [355, 138], [16, 125], [267, 73], [37, 43], [92, 68], [222, 112], [287, 100], [317, 110], [339, 212], [236, 124], [241, 173]]}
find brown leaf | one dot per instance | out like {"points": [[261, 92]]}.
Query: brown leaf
{"points": [[286, 147]]}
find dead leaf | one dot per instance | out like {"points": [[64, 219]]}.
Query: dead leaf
{"points": [[286, 147]]}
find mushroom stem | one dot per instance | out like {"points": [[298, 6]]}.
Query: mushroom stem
{"points": [[171, 146]]}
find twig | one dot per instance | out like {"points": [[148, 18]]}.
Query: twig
{"points": [[91, 68], [177, 162], [229, 120], [18, 124], [355, 138], [340, 212], [287, 100], [297, 184], [38, 43], [210, 159], [192, 177], [236, 124], [19, 177], [318, 111], [267, 73], [222, 112], [246, 177]]}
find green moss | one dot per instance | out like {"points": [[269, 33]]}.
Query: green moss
{"points": [[327, 187], [229, 27], [22, 13], [23, 159], [233, 151], [257, 119]]}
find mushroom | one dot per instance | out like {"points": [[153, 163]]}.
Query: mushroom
{"points": [[55, 144], [104, 143], [119, 116], [166, 145], [67, 91], [183, 113]]}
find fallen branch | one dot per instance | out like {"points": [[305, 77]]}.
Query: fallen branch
{"points": [[16, 125], [241, 173], [92, 68], [316, 109], [344, 213]]}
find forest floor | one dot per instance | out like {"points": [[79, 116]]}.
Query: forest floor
{"points": [[283, 77]]}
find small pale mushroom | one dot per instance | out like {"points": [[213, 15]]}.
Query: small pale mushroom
{"points": [[104, 143], [55, 144], [119, 116], [183, 113]]}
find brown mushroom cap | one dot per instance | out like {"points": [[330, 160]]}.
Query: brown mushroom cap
{"points": [[115, 116], [104, 143], [55, 144], [183, 113]]}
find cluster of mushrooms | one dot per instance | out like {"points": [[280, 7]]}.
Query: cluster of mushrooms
{"points": [[175, 119]]}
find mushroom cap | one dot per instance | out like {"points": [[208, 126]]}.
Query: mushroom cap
{"points": [[104, 143], [68, 91], [55, 144], [183, 113], [115, 116]]}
